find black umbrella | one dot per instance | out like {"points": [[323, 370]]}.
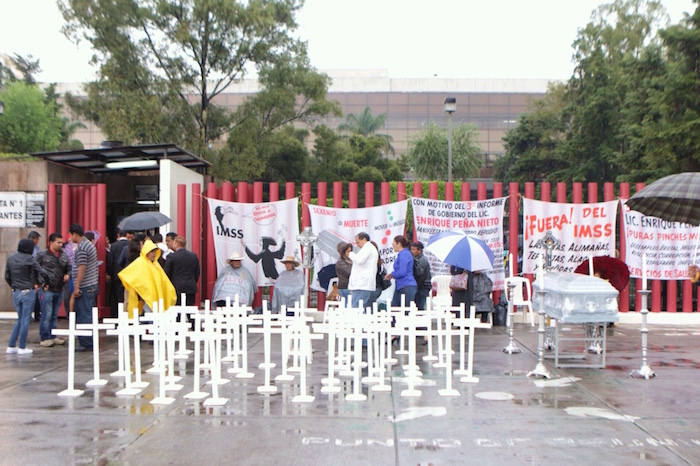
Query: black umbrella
{"points": [[675, 198], [143, 221]]}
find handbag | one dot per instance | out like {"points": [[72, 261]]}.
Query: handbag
{"points": [[381, 273], [459, 282]]}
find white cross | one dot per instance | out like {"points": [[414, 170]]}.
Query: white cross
{"points": [[71, 333], [95, 328]]}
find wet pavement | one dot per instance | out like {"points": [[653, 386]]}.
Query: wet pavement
{"points": [[580, 416]]}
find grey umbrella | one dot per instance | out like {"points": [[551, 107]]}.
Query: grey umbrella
{"points": [[675, 198], [143, 221]]}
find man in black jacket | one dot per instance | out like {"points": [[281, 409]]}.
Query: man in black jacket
{"points": [[115, 252], [421, 272], [56, 263], [182, 267], [23, 273]]}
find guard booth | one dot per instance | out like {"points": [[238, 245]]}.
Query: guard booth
{"points": [[117, 181]]}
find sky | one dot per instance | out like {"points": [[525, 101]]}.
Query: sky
{"points": [[513, 39]]}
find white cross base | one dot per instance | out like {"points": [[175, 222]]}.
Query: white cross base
{"points": [[162, 400], [215, 402], [129, 391]]}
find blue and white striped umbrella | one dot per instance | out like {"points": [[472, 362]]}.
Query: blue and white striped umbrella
{"points": [[461, 250]]}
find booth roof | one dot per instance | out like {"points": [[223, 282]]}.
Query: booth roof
{"points": [[95, 160]]}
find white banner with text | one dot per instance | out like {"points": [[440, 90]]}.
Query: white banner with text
{"points": [[262, 233], [332, 225], [670, 246], [482, 219], [583, 229]]}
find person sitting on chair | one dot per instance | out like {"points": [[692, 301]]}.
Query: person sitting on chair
{"points": [[289, 287], [234, 280]]}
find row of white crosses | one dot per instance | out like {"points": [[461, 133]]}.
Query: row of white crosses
{"points": [[346, 328]]}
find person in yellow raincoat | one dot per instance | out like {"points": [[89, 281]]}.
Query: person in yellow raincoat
{"points": [[145, 281]]}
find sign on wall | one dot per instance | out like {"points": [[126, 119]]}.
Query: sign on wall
{"points": [[12, 209], [36, 210]]}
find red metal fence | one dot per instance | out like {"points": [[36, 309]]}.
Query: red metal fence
{"points": [[389, 192]]}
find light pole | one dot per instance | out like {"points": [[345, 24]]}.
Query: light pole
{"points": [[450, 108]]}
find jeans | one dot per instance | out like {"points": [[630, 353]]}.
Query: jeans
{"points": [[408, 291], [83, 311], [50, 302], [360, 295], [344, 293], [24, 304], [374, 296], [421, 297]]}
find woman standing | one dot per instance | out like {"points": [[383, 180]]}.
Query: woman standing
{"points": [[342, 268], [403, 272], [24, 275]]}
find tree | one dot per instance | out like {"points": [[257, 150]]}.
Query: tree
{"points": [[29, 123], [675, 128], [427, 153], [27, 67], [357, 158], [154, 54], [365, 124], [533, 146], [598, 126]]}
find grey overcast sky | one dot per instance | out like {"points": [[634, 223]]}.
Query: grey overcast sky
{"points": [[409, 38]]}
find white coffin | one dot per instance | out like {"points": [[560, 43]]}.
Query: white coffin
{"points": [[577, 298]]}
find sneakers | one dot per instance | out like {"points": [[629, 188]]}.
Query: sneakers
{"points": [[59, 341], [11, 350], [82, 349], [25, 351], [46, 343]]}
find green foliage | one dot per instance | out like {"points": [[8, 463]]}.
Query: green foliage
{"points": [[356, 158], [26, 66], [367, 125], [153, 55], [631, 110], [29, 123], [428, 153]]}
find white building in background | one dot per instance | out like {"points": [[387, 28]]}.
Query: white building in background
{"points": [[492, 105]]}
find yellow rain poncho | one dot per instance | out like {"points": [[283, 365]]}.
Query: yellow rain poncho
{"points": [[147, 280]]}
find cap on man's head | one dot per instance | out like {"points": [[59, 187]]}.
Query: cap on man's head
{"points": [[234, 257]]}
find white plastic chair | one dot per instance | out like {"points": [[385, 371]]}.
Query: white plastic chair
{"points": [[522, 284], [443, 295]]}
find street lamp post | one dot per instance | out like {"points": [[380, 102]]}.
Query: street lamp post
{"points": [[450, 108]]}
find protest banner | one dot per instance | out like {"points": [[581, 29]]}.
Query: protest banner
{"points": [[332, 225], [583, 229], [483, 219], [670, 246], [262, 233]]}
